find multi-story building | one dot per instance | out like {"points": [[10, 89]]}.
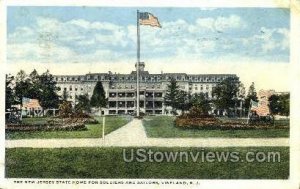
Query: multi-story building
{"points": [[121, 88]]}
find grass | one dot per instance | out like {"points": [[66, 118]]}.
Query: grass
{"points": [[35, 120], [163, 127], [109, 163], [93, 130]]}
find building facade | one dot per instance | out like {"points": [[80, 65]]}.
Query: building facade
{"points": [[120, 89]]}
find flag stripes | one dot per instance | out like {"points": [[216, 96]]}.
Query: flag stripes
{"points": [[146, 18], [261, 108]]}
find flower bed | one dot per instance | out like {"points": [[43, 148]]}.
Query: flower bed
{"points": [[68, 124], [72, 120], [213, 123]]}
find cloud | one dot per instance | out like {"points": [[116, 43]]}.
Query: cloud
{"points": [[285, 43], [220, 24], [269, 39], [46, 53], [80, 40], [81, 23], [207, 23], [231, 22]]}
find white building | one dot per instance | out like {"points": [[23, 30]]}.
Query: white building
{"points": [[121, 88]]}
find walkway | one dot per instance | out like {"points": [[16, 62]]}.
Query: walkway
{"points": [[134, 135]]}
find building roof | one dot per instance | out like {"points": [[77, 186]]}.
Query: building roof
{"points": [[31, 103], [141, 73]]}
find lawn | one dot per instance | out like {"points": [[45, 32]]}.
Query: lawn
{"points": [[93, 130], [109, 163], [163, 127]]}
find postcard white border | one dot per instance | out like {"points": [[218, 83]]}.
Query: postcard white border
{"points": [[294, 77]]}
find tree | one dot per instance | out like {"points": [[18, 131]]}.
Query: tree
{"points": [[23, 85], [9, 91], [285, 99], [252, 95], [98, 99], [48, 91], [172, 95], [201, 102], [280, 104], [34, 87], [83, 104], [183, 101], [226, 94]]}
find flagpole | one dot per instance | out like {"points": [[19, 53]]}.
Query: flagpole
{"points": [[249, 111], [137, 66]]}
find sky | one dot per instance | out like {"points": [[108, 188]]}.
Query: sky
{"points": [[250, 42]]}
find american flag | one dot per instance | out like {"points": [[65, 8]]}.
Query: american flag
{"points": [[261, 107], [146, 18]]}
